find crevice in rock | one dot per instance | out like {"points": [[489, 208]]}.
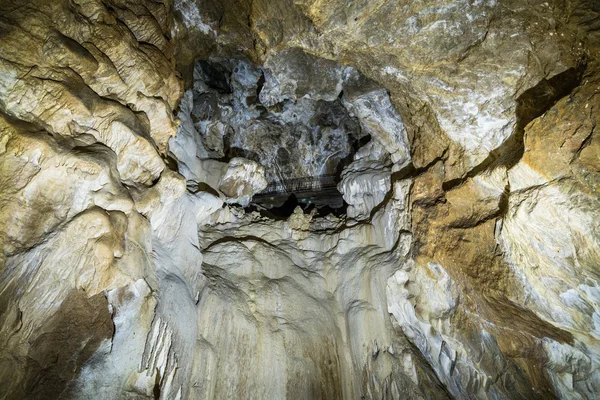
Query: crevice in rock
{"points": [[259, 84], [215, 76], [156, 388], [238, 239]]}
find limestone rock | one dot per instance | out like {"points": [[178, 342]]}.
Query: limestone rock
{"points": [[550, 236], [364, 186], [379, 118], [83, 61], [435, 56], [294, 74], [242, 179], [462, 135]]}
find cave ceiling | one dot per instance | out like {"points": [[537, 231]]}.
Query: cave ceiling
{"points": [[299, 199]]}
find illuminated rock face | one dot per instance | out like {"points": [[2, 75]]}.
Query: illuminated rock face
{"points": [[467, 264]]}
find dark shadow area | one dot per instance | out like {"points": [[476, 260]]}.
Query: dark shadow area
{"points": [[202, 187], [286, 209], [282, 205], [63, 345], [260, 84], [171, 162], [215, 76]]}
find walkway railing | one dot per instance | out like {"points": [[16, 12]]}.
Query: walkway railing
{"points": [[298, 185]]}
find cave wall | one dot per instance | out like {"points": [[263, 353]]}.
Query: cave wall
{"points": [[467, 264]]}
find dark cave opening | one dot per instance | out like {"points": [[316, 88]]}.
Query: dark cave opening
{"points": [[280, 199], [304, 144], [290, 203]]}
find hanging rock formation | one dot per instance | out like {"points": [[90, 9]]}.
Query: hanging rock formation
{"points": [[135, 137]]}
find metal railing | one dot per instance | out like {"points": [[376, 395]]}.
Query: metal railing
{"points": [[298, 185]]}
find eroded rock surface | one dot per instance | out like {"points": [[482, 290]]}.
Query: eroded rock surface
{"points": [[462, 136]]}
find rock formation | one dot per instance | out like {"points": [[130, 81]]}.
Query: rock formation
{"points": [[135, 137]]}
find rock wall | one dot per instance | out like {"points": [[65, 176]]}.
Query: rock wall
{"points": [[467, 263]]}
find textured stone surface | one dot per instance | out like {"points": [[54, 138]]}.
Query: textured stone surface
{"points": [[242, 179], [240, 109], [465, 138], [366, 181], [272, 115]]}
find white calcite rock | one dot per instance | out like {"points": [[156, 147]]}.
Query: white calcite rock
{"points": [[307, 285], [299, 223], [424, 301], [364, 186], [379, 118], [545, 235], [242, 179], [573, 373], [186, 145], [366, 182], [132, 307]]}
